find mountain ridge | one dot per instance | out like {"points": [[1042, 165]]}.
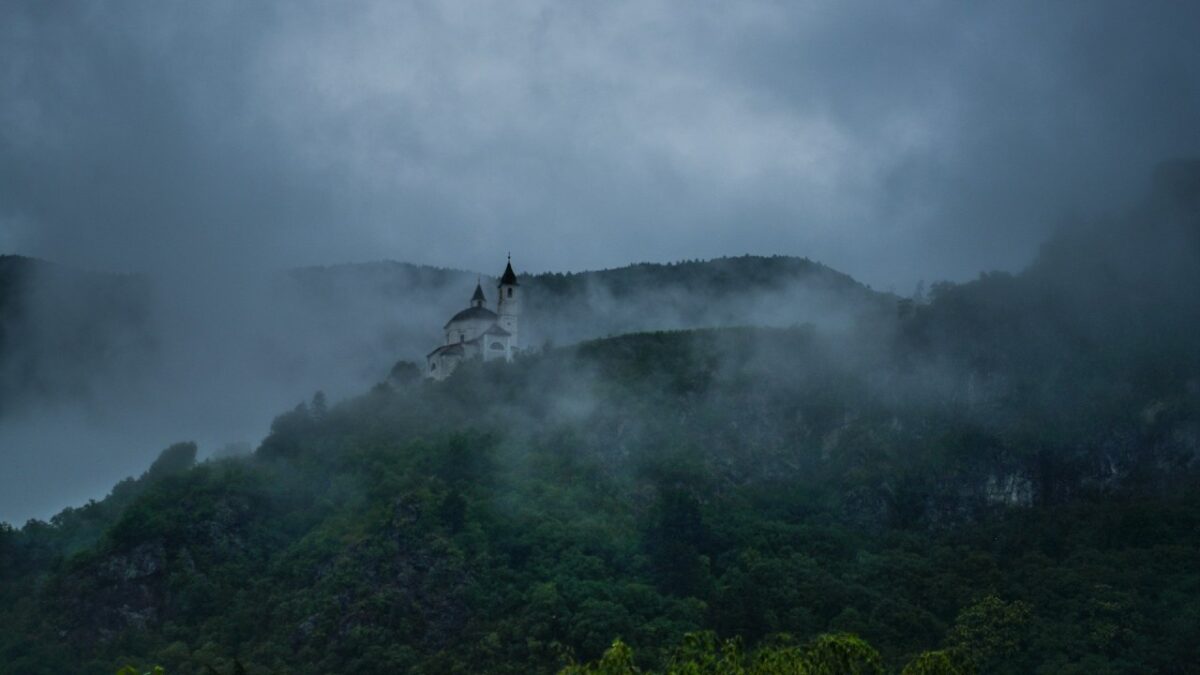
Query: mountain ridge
{"points": [[1013, 458]]}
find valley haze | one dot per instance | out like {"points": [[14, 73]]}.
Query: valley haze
{"points": [[103, 371], [849, 330]]}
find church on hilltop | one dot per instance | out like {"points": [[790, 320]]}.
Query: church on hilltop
{"points": [[479, 333]]}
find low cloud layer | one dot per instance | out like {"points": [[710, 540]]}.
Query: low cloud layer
{"points": [[927, 140]]}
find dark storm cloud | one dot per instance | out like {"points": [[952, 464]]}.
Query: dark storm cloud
{"points": [[130, 142], [891, 140]]}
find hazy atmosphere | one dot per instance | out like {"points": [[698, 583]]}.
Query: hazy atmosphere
{"points": [[893, 142], [213, 146], [752, 338]]}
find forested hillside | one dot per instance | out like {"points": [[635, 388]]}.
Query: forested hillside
{"points": [[522, 515], [1000, 478], [599, 338], [123, 365]]}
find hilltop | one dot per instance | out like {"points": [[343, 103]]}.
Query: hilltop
{"points": [[65, 332], [1005, 470], [572, 306]]}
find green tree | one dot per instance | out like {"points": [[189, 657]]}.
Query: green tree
{"points": [[942, 662], [674, 540], [617, 660], [842, 654], [990, 631], [702, 653], [177, 458], [404, 373], [319, 406]]}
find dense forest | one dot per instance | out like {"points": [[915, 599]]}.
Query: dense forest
{"points": [[996, 477]]}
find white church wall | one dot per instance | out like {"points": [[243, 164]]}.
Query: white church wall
{"points": [[466, 330]]}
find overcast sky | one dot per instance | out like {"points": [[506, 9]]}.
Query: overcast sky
{"points": [[891, 140]]}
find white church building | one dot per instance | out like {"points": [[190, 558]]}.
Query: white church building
{"points": [[479, 333]]}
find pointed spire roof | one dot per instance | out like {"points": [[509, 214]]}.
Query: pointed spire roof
{"points": [[509, 278], [478, 296]]}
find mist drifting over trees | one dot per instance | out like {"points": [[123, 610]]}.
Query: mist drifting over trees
{"points": [[650, 486], [855, 338]]}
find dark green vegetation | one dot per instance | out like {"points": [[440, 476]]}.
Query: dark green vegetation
{"points": [[1000, 480], [703, 653]]}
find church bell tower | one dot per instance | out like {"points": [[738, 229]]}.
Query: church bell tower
{"points": [[509, 304]]}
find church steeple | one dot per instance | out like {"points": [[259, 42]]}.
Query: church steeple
{"points": [[509, 278], [508, 305], [478, 300]]}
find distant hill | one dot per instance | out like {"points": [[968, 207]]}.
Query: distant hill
{"points": [[742, 291], [65, 334], [410, 303], [999, 478]]}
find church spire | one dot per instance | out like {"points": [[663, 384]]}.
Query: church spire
{"points": [[508, 304], [478, 300], [509, 278]]}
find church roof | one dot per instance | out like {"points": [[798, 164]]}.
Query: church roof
{"points": [[509, 277], [473, 313], [497, 330], [478, 297], [455, 348]]}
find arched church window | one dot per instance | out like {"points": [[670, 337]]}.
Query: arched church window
{"points": [[497, 345], [510, 292]]}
